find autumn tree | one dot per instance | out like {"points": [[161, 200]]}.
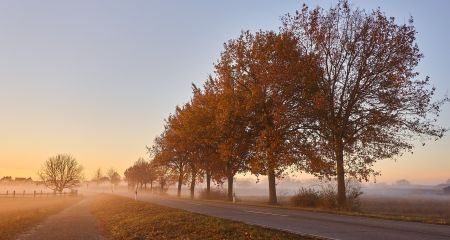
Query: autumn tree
{"points": [[140, 174], [169, 149], [61, 172], [275, 78], [371, 104], [236, 131]]}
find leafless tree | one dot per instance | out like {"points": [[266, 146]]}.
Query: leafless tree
{"points": [[61, 172], [114, 177]]}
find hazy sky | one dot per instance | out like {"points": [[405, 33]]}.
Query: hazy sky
{"points": [[97, 78]]}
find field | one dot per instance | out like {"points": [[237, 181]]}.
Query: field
{"points": [[421, 209], [426, 209], [122, 218], [19, 214]]}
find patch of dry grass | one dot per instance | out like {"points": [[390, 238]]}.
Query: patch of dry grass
{"points": [[411, 209], [427, 210], [123, 218], [19, 214]]}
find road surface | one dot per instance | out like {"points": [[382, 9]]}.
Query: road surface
{"points": [[328, 226]]}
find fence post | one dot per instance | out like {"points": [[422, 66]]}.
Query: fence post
{"points": [[34, 193], [6, 192], [14, 193]]}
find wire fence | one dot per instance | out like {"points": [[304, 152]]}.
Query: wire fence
{"points": [[22, 194]]}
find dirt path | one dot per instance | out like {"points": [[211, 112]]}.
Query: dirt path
{"points": [[73, 223]]}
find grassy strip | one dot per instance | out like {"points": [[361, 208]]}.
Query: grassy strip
{"points": [[15, 220], [122, 218]]}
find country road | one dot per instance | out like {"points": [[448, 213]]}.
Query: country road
{"points": [[329, 226]]}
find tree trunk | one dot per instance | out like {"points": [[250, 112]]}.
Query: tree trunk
{"points": [[230, 177], [272, 187], [208, 185], [180, 181], [192, 187], [151, 186], [341, 197], [230, 188]]}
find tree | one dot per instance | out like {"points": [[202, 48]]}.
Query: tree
{"points": [[98, 175], [169, 149], [275, 77], [61, 172], [236, 133], [114, 177], [370, 104]]}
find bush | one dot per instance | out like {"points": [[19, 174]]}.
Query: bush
{"points": [[215, 194], [326, 196], [306, 197]]}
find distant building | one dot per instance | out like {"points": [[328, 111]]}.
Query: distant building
{"points": [[6, 179], [23, 180], [446, 190]]}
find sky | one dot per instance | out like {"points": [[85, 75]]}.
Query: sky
{"points": [[96, 79]]}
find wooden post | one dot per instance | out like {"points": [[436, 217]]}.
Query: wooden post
{"points": [[14, 193], [34, 193]]}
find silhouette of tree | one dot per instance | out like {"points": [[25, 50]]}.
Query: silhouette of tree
{"points": [[61, 172], [114, 177]]}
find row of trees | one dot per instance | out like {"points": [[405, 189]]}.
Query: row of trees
{"points": [[330, 93]]}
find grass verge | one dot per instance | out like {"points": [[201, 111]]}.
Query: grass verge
{"points": [[123, 218], [19, 214]]}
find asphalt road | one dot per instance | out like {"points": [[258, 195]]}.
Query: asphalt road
{"points": [[328, 226]]}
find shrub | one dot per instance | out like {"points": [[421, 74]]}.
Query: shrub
{"points": [[306, 197], [215, 194], [326, 196]]}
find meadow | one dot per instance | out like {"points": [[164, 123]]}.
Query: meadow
{"points": [[21, 213]]}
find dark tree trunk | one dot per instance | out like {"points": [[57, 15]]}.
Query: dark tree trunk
{"points": [[272, 187], [341, 197], [192, 187], [151, 186], [208, 184], [180, 181], [230, 177], [230, 188]]}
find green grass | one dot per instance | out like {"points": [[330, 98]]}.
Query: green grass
{"points": [[20, 214], [122, 218]]}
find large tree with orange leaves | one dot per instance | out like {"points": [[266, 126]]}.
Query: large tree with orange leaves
{"points": [[371, 103], [275, 80]]}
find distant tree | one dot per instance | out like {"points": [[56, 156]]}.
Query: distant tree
{"points": [[114, 177], [98, 175], [140, 174], [403, 182], [170, 150], [61, 172], [370, 104]]}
